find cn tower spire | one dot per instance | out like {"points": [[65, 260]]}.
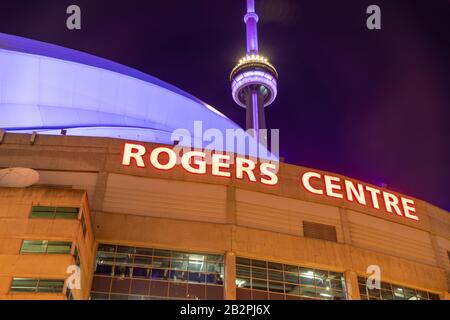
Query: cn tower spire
{"points": [[251, 21], [254, 79]]}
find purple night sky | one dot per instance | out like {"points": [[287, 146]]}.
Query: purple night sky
{"points": [[372, 105]]}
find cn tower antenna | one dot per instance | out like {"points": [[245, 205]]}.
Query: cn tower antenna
{"points": [[254, 79]]}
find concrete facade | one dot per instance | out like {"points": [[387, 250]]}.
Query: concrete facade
{"points": [[181, 211]]}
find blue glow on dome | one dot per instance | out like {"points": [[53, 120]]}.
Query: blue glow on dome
{"points": [[46, 88]]}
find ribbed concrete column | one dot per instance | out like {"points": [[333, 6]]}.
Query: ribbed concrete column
{"points": [[231, 205], [351, 283], [230, 276]]}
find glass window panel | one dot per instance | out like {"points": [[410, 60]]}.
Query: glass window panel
{"points": [[320, 281], [292, 289], [161, 253], [180, 255], [276, 286], [409, 293], [197, 265], [213, 278], [42, 212], [337, 295], [398, 293], [243, 271], [306, 276], [259, 273], [386, 286], [122, 271], [259, 284], [53, 286], [309, 292], [374, 292], [336, 284], [242, 261], [104, 269], [321, 274], [144, 251], [67, 210], [243, 282], [259, 263], [126, 250], [214, 267], [160, 274], [105, 258], [291, 277], [197, 277], [66, 213], [324, 294], [213, 258], [422, 295], [24, 285], [386, 294], [106, 248], [59, 247], [275, 266], [143, 261], [307, 279], [179, 264], [139, 272], [335, 275], [123, 258], [178, 275], [362, 289], [32, 246], [276, 275], [161, 262]]}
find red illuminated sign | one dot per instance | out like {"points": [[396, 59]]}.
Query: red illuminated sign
{"points": [[220, 165], [164, 158], [335, 187]]}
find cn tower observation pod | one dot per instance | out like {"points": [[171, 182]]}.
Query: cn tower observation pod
{"points": [[46, 88]]}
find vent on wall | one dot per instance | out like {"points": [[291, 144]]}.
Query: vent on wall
{"points": [[319, 231]]}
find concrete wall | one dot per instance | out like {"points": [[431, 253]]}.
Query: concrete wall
{"points": [[178, 210], [16, 226]]}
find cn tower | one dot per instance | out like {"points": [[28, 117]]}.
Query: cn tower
{"points": [[254, 79]]}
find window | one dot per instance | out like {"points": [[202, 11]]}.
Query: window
{"points": [[76, 256], [389, 291], [257, 279], [44, 246], [54, 212], [134, 273], [37, 285], [83, 226], [319, 231]]}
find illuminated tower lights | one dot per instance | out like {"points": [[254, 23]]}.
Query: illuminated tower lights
{"points": [[254, 79]]}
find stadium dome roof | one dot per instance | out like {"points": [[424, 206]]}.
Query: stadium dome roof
{"points": [[46, 88]]}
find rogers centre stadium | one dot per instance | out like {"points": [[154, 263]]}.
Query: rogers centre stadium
{"points": [[90, 178]]}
